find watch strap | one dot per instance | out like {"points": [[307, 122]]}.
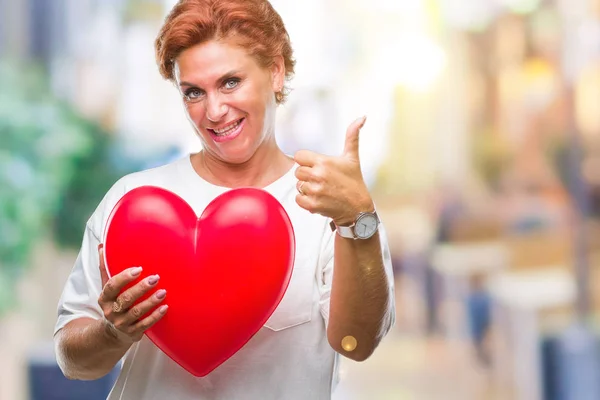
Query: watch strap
{"points": [[344, 231], [348, 231]]}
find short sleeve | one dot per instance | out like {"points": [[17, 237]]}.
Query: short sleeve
{"points": [[80, 294], [325, 275]]}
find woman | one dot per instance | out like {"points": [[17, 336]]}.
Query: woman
{"points": [[229, 59]]}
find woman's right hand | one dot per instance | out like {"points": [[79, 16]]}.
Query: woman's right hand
{"points": [[124, 319]]}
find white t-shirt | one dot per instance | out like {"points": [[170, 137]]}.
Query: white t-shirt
{"points": [[289, 358]]}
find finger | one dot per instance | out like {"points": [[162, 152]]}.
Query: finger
{"points": [[307, 203], [306, 188], [304, 174], [102, 265], [351, 143], [140, 310], [115, 284], [131, 295], [150, 320], [307, 158]]}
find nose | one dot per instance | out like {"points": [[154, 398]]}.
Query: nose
{"points": [[215, 108]]}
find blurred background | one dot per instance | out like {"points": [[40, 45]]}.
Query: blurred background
{"points": [[481, 148]]}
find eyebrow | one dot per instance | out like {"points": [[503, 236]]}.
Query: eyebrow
{"points": [[222, 79]]}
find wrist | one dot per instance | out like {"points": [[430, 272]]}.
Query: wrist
{"points": [[350, 218]]}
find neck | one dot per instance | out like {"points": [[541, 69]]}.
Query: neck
{"points": [[267, 165]]}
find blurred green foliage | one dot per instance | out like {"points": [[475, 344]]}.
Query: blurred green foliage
{"points": [[54, 169]]}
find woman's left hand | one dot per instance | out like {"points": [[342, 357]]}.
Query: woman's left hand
{"points": [[334, 186]]}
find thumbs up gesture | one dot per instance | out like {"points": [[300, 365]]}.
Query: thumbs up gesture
{"points": [[334, 186]]}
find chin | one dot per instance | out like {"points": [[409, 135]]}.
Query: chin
{"points": [[233, 154]]}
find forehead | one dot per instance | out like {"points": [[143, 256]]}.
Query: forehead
{"points": [[209, 61]]}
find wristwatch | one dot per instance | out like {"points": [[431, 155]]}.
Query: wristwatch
{"points": [[364, 226]]}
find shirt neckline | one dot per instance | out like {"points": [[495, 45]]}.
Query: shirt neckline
{"points": [[275, 188]]}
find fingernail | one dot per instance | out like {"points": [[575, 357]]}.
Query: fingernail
{"points": [[161, 294], [163, 309], [153, 279], [136, 271]]}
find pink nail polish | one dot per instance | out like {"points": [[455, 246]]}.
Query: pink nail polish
{"points": [[163, 309], [161, 294], [136, 271], [153, 279]]}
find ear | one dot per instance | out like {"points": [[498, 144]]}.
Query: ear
{"points": [[278, 73]]}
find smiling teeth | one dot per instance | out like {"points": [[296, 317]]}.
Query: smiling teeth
{"points": [[227, 129]]}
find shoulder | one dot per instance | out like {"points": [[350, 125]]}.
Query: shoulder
{"points": [[159, 176]]}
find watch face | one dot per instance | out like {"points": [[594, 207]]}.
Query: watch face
{"points": [[366, 226]]}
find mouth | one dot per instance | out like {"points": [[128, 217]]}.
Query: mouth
{"points": [[227, 132]]}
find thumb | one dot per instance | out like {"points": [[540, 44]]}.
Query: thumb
{"points": [[351, 144]]}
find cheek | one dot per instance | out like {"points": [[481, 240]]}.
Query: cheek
{"points": [[194, 116], [253, 99], [194, 112]]}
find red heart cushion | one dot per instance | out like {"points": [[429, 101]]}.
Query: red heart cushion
{"points": [[225, 272]]}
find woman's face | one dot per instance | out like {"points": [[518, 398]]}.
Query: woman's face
{"points": [[229, 98]]}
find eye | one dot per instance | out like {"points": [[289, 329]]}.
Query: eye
{"points": [[193, 94], [231, 83]]}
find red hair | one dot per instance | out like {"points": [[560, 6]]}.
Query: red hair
{"points": [[254, 23]]}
